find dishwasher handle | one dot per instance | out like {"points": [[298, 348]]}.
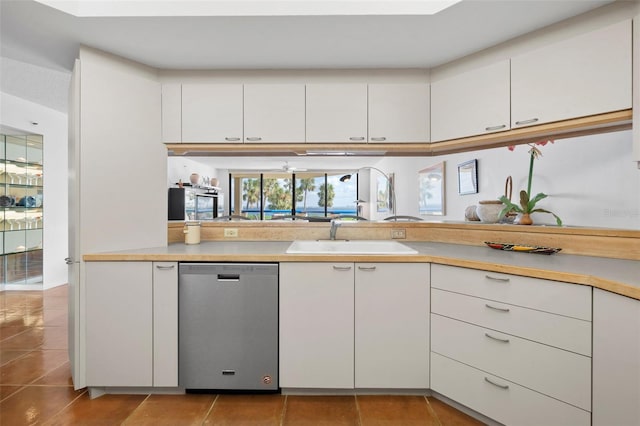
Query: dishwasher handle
{"points": [[228, 277]]}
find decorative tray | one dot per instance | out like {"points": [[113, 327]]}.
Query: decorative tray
{"points": [[522, 248]]}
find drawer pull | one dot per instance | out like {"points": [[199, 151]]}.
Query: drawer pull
{"points": [[256, 139], [496, 338], [380, 139], [231, 139], [367, 268], [531, 120], [342, 268], [498, 127], [503, 280], [495, 308], [165, 267], [356, 138], [488, 380]]}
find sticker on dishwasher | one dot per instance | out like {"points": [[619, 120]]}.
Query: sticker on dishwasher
{"points": [[266, 380]]}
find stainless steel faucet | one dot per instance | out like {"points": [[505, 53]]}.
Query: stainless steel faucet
{"points": [[335, 223]]}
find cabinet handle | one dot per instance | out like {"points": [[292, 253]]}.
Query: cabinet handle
{"points": [[232, 139], [532, 120], [496, 308], [356, 138], [496, 338], [342, 268], [68, 261], [504, 280], [165, 267], [486, 379], [367, 268], [498, 127], [254, 139], [380, 139]]}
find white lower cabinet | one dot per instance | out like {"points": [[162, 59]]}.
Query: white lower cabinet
{"points": [[346, 325], [560, 374], [131, 311], [499, 399], [515, 349], [392, 325], [316, 325], [616, 359], [119, 324], [165, 324]]}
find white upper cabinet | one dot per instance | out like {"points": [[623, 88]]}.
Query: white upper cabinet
{"points": [[212, 113], [336, 112], [172, 113], [584, 75], [274, 113], [398, 113], [471, 103]]}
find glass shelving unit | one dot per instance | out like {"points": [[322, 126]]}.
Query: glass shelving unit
{"points": [[21, 208]]}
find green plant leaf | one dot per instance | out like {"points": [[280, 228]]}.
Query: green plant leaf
{"points": [[558, 220], [524, 201], [532, 203], [508, 207]]}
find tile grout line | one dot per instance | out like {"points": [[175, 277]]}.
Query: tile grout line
{"points": [[358, 409], [63, 408], [124, 422], [15, 335], [204, 419], [284, 410], [26, 352], [432, 411]]}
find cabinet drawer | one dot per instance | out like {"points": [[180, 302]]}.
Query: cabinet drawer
{"points": [[550, 296], [560, 374], [556, 330], [504, 401]]}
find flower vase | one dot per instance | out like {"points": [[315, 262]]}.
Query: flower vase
{"points": [[524, 219]]}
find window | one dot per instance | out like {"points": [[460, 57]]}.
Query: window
{"points": [[270, 195]]}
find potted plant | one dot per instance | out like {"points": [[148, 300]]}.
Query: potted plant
{"points": [[527, 203]]}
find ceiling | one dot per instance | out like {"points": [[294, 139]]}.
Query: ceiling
{"points": [[37, 34], [38, 44]]}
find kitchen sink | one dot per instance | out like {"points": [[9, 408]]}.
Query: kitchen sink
{"points": [[349, 247]]}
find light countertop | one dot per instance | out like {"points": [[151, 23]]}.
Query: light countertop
{"points": [[616, 275]]}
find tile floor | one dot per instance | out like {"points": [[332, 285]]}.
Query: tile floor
{"points": [[36, 387]]}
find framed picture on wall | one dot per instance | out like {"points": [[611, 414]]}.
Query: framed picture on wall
{"points": [[384, 190], [431, 190], [468, 177]]}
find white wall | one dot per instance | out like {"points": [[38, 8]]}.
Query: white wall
{"points": [[18, 114], [591, 180], [180, 168]]}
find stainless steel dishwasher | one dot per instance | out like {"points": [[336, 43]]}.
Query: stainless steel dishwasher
{"points": [[228, 326]]}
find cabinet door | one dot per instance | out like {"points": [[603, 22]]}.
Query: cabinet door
{"points": [[119, 340], [584, 75], [336, 113], [616, 359], [212, 113], [392, 326], [274, 113], [171, 113], [636, 93], [471, 103], [316, 325], [398, 113], [165, 324]]}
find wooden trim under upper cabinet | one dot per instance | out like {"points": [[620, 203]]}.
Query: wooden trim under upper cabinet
{"points": [[594, 124]]}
